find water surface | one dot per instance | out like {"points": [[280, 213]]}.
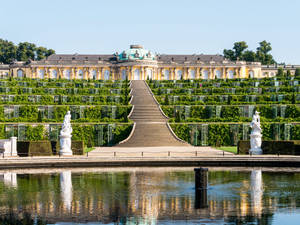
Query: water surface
{"points": [[149, 196]]}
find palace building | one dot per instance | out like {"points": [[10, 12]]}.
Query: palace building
{"points": [[137, 63]]}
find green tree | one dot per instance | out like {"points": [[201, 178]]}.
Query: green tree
{"points": [[280, 72], [7, 51], [229, 54], [262, 53], [249, 56], [26, 51], [297, 72], [239, 48], [288, 73], [237, 52]]}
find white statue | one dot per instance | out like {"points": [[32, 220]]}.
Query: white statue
{"points": [[66, 188], [255, 136], [65, 136]]}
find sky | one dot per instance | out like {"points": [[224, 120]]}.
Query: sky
{"points": [[163, 26]]}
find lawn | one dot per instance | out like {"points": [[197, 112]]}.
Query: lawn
{"points": [[232, 149]]}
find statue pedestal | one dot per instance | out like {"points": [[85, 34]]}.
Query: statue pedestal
{"points": [[65, 145], [255, 143]]}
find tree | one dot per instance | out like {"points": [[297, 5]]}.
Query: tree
{"points": [[249, 56], [280, 72], [26, 51], [229, 54], [263, 55], [237, 52], [239, 48], [7, 51], [240, 51], [297, 72], [288, 73]]}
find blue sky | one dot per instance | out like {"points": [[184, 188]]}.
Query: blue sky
{"points": [[163, 26]]}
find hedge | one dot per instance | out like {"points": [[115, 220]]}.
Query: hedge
{"points": [[230, 134], [34, 148], [91, 134], [271, 147]]}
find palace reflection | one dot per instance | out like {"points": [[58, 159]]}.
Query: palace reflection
{"points": [[140, 197]]}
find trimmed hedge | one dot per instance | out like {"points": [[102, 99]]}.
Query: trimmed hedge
{"points": [[272, 147], [76, 146], [34, 148]]}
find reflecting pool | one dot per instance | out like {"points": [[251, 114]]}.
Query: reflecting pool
{"points": [[149, 196]]}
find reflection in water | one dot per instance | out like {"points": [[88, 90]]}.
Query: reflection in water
{"points": [[10, 179], [66, 188], [152, 197], [256, 191]]}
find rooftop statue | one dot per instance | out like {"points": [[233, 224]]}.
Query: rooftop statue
{"points": [[255, 136]]}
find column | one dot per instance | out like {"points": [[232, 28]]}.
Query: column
{"points": [[131, 73], [75, 73], [237, 73], [142, 73], [210, 73], [102, 73], [98, 76], [224, 73], [172, 73]]}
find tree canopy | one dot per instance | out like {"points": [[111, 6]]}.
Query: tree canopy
{"points": [[240, 52], [24, 51]]}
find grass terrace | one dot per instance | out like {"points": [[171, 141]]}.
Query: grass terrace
{"points": [[218, 112], [34, 109]]}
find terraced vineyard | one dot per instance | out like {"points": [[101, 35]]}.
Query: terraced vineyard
{"points": [[218, 112], [35, 109]]}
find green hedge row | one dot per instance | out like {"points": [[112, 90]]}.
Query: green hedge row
{"points": [[228, 99], [224, 90], [31, 113], [227, 113], [230, 134], [91, 135], [64, 83], [64, 99], [61, 91], [270, 82]]}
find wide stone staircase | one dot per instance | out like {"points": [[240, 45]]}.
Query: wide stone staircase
{"points": [[151, 125]]}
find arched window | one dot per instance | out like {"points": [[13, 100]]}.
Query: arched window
{"points": [[53, 74], [136, 74], [67, 74], [20, 73], [218, 74], [192, 74], [178, 74], [41, 73], [106, 75], [124, 74], [166, 75], [80, 74], [93, 74], [230, 74], [251, 74], [149, 73], [205, 74]]}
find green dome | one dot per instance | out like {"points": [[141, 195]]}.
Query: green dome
{"points": [[136, 52]]}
